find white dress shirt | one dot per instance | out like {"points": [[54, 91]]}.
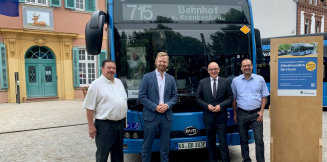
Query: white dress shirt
{"points": [[211, 79], [108, 99], [161, 86]]}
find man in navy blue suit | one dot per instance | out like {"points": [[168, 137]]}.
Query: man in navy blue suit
{"points": [[158, 94]]}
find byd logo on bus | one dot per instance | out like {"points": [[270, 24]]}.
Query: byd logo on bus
{"points": [[190, 131]]}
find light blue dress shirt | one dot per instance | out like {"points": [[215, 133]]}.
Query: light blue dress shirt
{"points": [[249, 93]]}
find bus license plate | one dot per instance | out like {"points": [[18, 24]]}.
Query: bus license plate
{"points": [[191, 145]]}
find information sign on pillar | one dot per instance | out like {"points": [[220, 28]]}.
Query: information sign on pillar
{"points": [[296, 98]]}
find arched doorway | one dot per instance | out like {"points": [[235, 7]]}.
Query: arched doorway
{"points": [[40, 70]]}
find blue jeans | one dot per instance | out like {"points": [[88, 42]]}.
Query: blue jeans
{"points": [[245, 120]]}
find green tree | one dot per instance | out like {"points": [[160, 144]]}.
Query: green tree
{"points": [[284, 47]]}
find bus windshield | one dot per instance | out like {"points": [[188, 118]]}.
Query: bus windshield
{"points": [[190, 49]]}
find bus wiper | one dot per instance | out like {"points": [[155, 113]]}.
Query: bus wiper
{"points": [[204, 48]]}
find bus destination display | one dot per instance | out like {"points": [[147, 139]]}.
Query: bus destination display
{"points": [[177, 12]]}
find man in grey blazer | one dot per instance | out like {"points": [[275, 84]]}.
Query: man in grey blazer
{"points": [[214, 95], [158, 94]]}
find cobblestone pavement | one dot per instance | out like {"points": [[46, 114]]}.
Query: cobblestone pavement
{"points": [[57, 131]]}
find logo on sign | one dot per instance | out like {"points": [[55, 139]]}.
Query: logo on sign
{"points": [[310, 66], [190, 131]]}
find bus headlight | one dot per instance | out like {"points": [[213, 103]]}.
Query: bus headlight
{"points": [[125, 147], [135, 135], [127, 135]]}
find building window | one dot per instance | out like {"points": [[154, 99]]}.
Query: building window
{"points": [[317, 27], [80, 5], [87, 68], [38, 52], [38, 2], [315, 2], [310, 1], [52, 3], [306, 26]]}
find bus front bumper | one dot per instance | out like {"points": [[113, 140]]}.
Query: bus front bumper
{"points": [[176, 144]]}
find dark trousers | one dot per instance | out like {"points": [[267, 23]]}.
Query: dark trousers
{"points": [[217, 127], [162, 124], [109, 139], [245, 120]]}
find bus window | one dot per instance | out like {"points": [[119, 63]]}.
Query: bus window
{"points": [[263, 66]]}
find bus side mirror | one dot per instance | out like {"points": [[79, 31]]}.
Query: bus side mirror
{"points": [[258, 43], [94, 32]]}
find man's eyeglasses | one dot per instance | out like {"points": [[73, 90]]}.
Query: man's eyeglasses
{"points": [[246, 65], [214, 69]]}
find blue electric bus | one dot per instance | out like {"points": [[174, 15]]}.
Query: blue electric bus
{"points": [[301, 49], [263, 59], [193, 33]]}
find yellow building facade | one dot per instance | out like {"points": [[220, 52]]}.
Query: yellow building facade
{"points": [[48, 53], [19, 41]]}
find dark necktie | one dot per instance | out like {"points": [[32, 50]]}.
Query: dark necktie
{"points": [[214, 88]]}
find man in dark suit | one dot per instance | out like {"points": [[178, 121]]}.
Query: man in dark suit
{"points": [[214, 95], [158, 94]]}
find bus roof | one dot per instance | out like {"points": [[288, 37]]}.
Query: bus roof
{"points": [[266, 41], [303, 44]]}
